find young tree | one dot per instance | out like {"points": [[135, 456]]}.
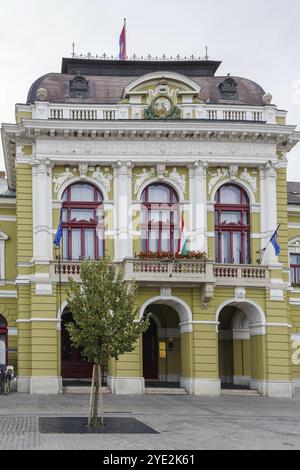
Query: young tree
{"points": [[104, 321]]}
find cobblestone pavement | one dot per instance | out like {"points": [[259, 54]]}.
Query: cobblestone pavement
{"points": [[184, 422]]}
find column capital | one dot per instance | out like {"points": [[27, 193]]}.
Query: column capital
{"points": [[200, 167], [41, 166], [271, 169], [123, 166]]}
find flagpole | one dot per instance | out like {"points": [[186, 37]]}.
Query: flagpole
{"points": [[59, 290], [263, 252], [125, 35]]}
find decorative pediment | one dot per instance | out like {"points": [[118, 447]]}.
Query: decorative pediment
{"points": [[3, 236], [294, 245], [162, 92]]}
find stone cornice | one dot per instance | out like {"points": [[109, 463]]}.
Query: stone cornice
{"points": [[139, 131], [191, 126]]}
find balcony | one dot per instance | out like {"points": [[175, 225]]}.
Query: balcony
{"points": [[168, 271], [241, 275], [184, 272], [206, 112]]}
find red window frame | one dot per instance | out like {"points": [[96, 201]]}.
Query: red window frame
{"points": [[243, 228], [148, 206], [294, 267], [82, 225]]}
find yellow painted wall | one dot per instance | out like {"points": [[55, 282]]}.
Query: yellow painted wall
{"points": [[282, 215], [24, 213]]}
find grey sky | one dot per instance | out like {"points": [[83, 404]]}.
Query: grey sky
{"points": [[258, 40]]}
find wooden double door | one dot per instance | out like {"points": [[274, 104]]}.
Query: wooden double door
{"points": [[150, 352], [73, 365]]}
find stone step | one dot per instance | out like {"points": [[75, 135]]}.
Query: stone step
{"points": [[165, 391], [238, 392], [82, 389]]}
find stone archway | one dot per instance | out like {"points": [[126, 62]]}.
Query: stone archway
{"points": [[166, 348], [73, 366], [162, 347], [241, 344]]}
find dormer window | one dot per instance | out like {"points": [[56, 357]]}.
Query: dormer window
{"points": [[228, 89], [79, 87]]}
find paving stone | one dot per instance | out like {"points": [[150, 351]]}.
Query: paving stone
{"points": [[183, 422]]}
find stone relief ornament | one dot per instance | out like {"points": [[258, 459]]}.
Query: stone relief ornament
{"points": [[41, 94], [142, 177], [267, 98], [103, 179], [161, 171], [163, 89], [60, 178], [83, 169], [250, 179], [233, 170], [216, 177], [162, 103], [179, 179]]}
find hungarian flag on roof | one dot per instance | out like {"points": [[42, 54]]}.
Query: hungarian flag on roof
{"points": [[122, 43]]}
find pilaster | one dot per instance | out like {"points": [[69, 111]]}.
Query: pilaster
{"points": [[268, 216], [198, 218], [42, 211], [123, 198]]}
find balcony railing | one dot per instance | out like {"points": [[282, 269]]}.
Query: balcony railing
{"points": [[241, 275], [122, 111], [157, 271], [176, 271]]}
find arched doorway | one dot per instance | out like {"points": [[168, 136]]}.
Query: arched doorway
{"points": [[3, 340], [73, 365], [150, 352], [162, 347], [241, 345]]}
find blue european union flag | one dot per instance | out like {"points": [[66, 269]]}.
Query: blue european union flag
{"points": [[275, 244], [58, 235]]}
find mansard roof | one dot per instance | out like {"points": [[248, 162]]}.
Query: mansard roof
{"points": [[107, 80], [294, 192]]}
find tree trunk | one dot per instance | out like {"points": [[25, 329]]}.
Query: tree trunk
{"points": [[96, 397], [101, 401], [92, 397]]}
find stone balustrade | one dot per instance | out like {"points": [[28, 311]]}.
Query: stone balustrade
{"points": [[170, 271], [203, 111]]}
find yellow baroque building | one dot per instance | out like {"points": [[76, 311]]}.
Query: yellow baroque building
{"points": [[122, 152]]}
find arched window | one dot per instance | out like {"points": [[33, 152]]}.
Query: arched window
{"points": [[160, 218], [3, 340], [82, 222], [232, 225]]}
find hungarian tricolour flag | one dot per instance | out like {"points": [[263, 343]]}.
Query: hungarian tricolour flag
{"points": [[122, 43], [182, 245]]}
